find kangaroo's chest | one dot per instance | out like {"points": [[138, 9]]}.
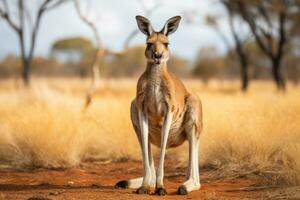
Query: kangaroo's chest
{"points": [[156, 100]]}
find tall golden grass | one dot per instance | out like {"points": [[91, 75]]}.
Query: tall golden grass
{"points": [[256, 133]]}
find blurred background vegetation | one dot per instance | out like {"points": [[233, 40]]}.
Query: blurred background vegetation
{"points": [[262, 42]]}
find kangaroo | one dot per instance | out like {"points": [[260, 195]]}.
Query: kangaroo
{"points": [[163, 113]]}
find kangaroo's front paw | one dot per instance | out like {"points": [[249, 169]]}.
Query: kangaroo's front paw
{"points": [[160, 191], [182, 190], [143, 190], [122, 185]]}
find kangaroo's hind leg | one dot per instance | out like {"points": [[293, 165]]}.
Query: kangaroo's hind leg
{"points": [[193, 127], [137, 182]]}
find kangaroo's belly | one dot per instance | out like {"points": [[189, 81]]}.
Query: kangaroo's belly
{"points": [[176, 135]]}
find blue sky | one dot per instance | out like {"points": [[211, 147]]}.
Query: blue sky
{"points": [[116, 19]]}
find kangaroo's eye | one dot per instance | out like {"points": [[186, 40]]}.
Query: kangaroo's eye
{"points": [[149, 44], [166, 45]]}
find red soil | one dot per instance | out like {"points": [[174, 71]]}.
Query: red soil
{"points": [[96, 181]]}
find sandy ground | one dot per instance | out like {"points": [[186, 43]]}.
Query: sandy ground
{"points": [[96, 181]]}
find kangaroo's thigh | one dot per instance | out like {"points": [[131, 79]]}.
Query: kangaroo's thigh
{"points": [[193, 115], [135, 120]]}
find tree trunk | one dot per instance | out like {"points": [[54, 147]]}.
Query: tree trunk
{"points": [[95, 77], [244, 73], [243, 64], [277, 75], [26, 72], [25, 61]]}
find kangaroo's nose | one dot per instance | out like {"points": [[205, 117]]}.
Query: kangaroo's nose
{"points": [[157, 55]]}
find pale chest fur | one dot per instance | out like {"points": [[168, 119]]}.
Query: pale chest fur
{"points": [[155, 99]]}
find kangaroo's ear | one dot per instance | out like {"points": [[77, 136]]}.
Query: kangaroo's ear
{"points": [[144, 25], [171, 25]]}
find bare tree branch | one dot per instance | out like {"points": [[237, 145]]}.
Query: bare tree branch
{"points": [[261, 9], [90, 24], [56, 4], [148, 12], [253, 26], [5, 15], [43, 8], [99, 55]]}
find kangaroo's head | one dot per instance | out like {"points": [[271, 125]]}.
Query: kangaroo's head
{"points": [[157, 50]]}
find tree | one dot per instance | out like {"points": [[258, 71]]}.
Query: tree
{"points": [[75, 50], [268, 21], [239, 41], [23, 23]]}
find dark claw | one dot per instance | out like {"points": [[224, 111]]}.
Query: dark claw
{"points": [[160, 191], [122, 185], [142, 190], [182, 190]]}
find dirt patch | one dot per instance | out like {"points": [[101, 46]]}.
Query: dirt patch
{"points": [[96, 181]]}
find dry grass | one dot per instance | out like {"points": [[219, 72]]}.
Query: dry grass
{"points": [[257, 133]]}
